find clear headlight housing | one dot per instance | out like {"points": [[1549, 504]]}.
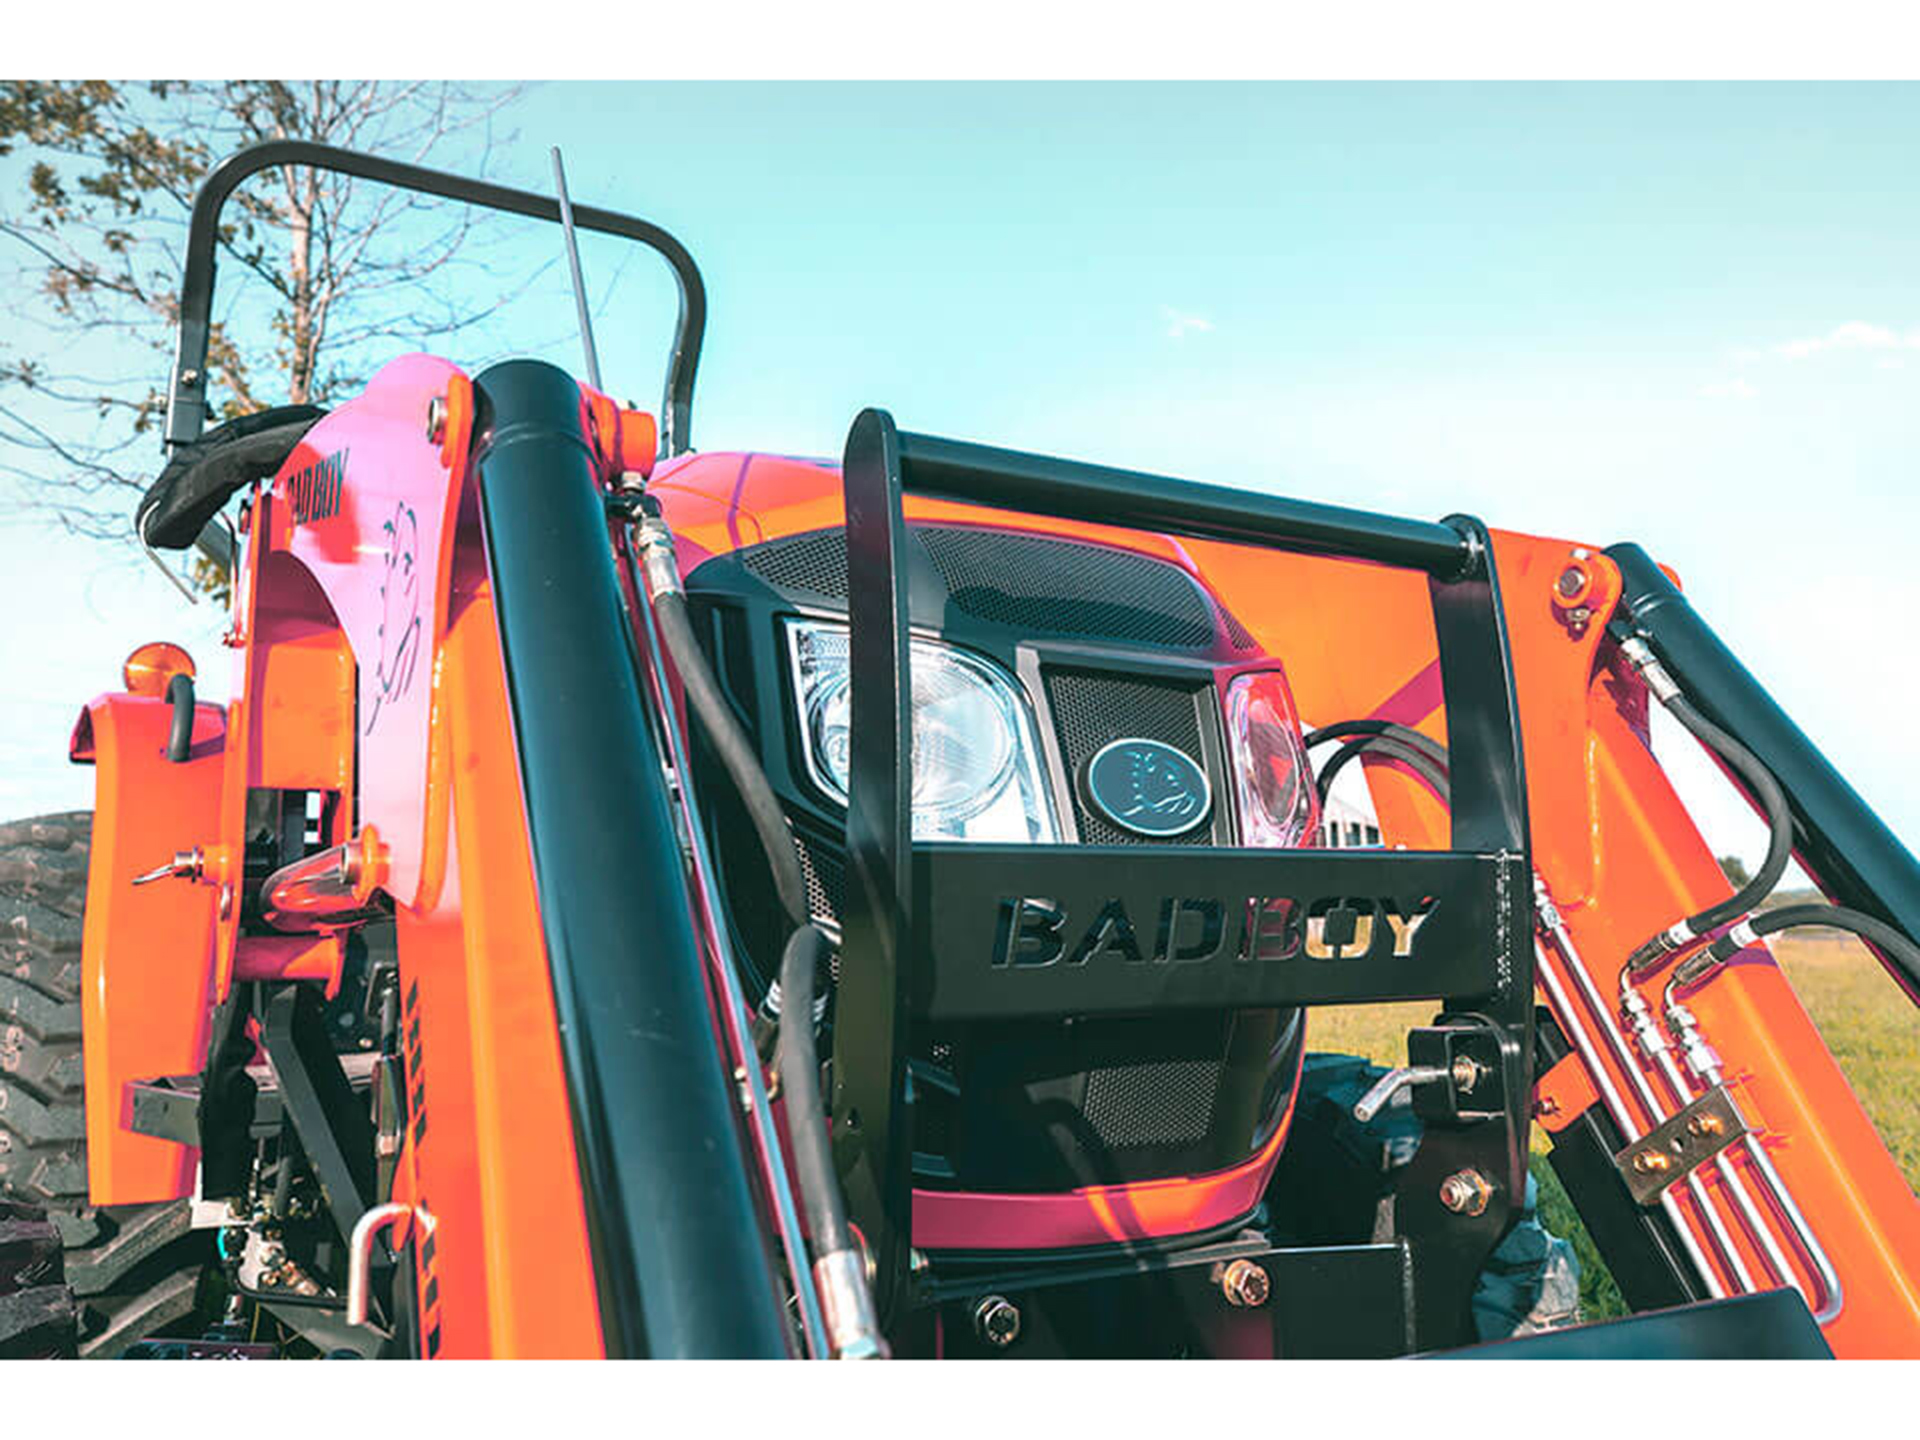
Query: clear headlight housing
{"points": [[1271, 778], [976, 766]]}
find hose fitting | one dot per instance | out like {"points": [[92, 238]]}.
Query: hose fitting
{"points": [[1639, 655], [657, 561], [1646, 1030]]}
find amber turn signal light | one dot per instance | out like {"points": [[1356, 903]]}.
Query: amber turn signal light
{"points": [[149, 668]]}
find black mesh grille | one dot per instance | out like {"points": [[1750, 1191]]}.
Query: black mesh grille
{"points": [[816, 563], [1093, 708], [1165, 1102], [1029, 582], [1237, 634], [826, 877], [1034, 583]]}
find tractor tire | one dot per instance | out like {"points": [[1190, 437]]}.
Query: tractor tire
{"points": [[133, 1269], [36, 1307]]}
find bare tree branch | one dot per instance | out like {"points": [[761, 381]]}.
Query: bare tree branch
{"points": [[321, 277]]}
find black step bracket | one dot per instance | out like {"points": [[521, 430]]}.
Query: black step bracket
{"points": [[169, 1108], [1680, 1145]]}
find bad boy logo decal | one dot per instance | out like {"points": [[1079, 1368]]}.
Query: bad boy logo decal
{"points": [[1147, 787]]}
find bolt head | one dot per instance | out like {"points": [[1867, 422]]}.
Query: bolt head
{"points": [[436, 418], [1572, 580], [1246, 1284]]}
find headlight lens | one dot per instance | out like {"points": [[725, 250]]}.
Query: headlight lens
{"points": [[1270, 774], [976, 768]]}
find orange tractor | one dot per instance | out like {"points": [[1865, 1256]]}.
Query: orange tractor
{"points": [[640, 902]]}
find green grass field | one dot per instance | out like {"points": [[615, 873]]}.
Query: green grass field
{"points": [[1872, 1029]]}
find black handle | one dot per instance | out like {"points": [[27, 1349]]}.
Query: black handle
{"points": [[180, 733]]}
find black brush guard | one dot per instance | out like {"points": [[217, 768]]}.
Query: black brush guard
{"points": [[1475, 954]]}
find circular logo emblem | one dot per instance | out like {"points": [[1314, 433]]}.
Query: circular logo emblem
{"points": [[1148, 788]]}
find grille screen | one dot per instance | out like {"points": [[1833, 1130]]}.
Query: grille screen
{"points": [[1093, 708], [1029, 582], [1033, 583], [825, 874], [816, 563], [1166, 1102]]}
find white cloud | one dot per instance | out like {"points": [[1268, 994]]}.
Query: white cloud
{"points": [[1180, 323], [1729, 390], [1854, 335]]}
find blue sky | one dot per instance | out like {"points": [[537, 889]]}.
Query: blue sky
{"points": [[1684, 315]]}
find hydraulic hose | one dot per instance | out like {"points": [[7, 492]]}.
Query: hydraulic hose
{"points": [[1765, 790], [736, 753], [1869, 928], [1413, 758], [799, 1068], [1344, 729], [839, 1268]]}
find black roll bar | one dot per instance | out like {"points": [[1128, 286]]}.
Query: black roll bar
{"points": [[187, 392]]}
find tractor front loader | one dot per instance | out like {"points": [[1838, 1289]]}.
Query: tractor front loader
{"points": [[633, 901]]}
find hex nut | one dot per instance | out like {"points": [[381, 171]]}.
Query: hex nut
{"points": [[996, 1320], [1466, 1192]]}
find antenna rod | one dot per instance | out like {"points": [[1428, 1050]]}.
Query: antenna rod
{"points": [[573, 263]]}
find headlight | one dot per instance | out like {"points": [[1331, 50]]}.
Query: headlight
{"points": [[1271, 778], [976, 768]]}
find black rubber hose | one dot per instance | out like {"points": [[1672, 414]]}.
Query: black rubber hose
{"points": [[180, 732], [736, 753], [799, 1068], [1773, 803], [1788, 917], [1414, 759], [1426, 744]]}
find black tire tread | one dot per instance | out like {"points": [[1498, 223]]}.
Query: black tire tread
{"points": [[37, 1314]]}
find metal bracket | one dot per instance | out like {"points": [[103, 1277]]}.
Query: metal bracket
{"points": [[331, 1120], [1685, 1142], [1470, 1062]]}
